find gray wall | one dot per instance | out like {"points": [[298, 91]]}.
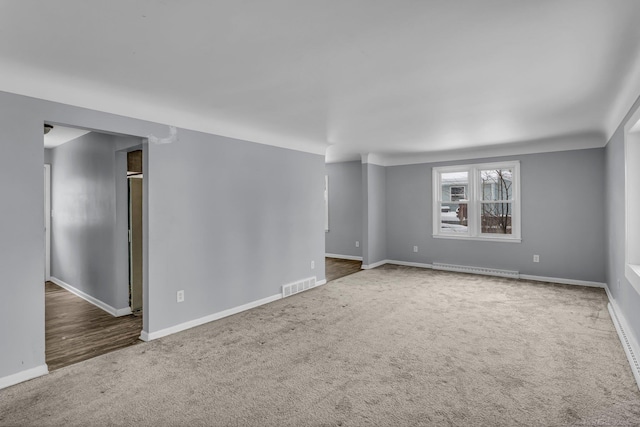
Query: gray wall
{"points": [[345, 209], [562, 200], [625, 296], [374, 179], [228, 221], [84, 229], [48, 152], [21, 238]]}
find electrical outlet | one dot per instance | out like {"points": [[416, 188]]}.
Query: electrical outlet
{"points": [[357, 244], [536, 258], [180, 296], [313, 265], [415, 249]]}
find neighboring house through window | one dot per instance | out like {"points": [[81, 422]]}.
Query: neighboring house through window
{"points": [[457, 193], [479, 202]]}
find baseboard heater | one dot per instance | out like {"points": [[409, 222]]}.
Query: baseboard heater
{"points": [[297, 287], [476, 270]]}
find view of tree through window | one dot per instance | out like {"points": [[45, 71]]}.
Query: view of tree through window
{"points": [[497, 199]]}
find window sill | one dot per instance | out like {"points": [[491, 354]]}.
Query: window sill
{"points": [[632, 273], [479, 238]]}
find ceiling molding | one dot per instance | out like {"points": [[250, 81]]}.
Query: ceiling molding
{"points": [[626, 97], [35, 83], [547, 145], [373, 159]]}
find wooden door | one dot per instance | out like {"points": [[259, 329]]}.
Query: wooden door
{"points": [[135, 242]]}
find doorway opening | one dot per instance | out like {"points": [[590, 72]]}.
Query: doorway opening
{"points": [[134, 178], [93, 244], [336, 268]]}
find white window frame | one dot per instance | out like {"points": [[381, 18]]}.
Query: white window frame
{"points": [[474, 197], [632, 201]]}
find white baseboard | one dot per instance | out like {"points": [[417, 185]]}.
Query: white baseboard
{"points": [[22, 376], [374, 265], [116, 312], [606, 289], [338, 256], [321, 282], [629, 344], [563, 281], [409, 264], [522, 276], [149, 336]]}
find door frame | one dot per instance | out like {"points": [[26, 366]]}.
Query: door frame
{"points": [[47, 222]]}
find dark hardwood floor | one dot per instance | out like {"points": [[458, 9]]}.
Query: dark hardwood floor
{"points": [[76, 330], [336, 268]]}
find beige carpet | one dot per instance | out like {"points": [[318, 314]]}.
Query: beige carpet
{"points": [[393, 346]]}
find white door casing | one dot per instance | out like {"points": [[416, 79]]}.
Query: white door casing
{"points": [[47, 222]]}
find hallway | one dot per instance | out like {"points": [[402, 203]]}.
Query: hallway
{"points": [[76, 330]]}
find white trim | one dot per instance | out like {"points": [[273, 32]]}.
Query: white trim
{"points": [[629, 344], [338, 256], [631, 201], [409, 264], [144, 336], [149, 336], [522, 276], [374, 265], [32, 82], [632, 273], [563, 281], [116, 312], [326, 203], [606, 289], [47, 221], [373, 159], [626, 97], [22, 376], [583, 141], [123, 312], [321, 282]]}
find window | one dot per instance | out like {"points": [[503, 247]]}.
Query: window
{"points": [[479, 202], [632, 200]]}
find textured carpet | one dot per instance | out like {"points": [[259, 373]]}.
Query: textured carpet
{"points": [[390, 347]]}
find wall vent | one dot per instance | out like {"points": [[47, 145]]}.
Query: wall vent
{"points": [[476, 270], [297, 287]]}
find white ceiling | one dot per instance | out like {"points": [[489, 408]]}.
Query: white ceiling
{"points": [[367, 76], [60, 135]]}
